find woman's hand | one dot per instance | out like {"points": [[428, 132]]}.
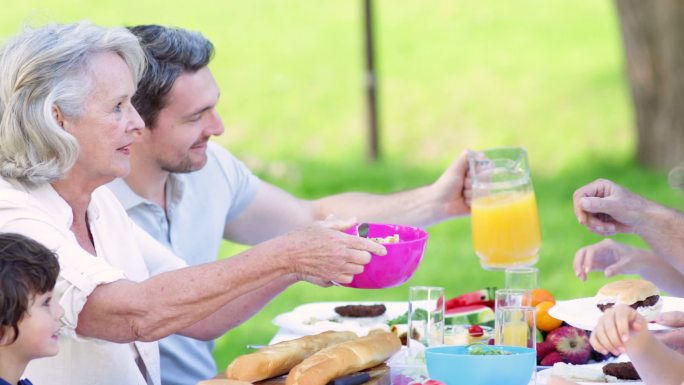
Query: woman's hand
{"points": [[322, 253]]}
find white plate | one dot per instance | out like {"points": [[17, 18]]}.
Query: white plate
{"points": [[314, 318], [583, 313], [543, 376]]}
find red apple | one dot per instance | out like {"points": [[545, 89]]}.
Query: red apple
{"points": [[543, 350], [551, 359], [572, 343]]}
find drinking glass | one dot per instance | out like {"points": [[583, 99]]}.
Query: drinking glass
{"points": [[515, 326], [505, 221], [426, 316], [512, 298], [524, 278]]}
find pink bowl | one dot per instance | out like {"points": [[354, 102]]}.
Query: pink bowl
{"points": [[400, 262]]}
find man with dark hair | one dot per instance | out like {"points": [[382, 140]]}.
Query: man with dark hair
{"points": [[29, 319], [190, 194]]}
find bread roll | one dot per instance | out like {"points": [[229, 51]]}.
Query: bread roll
{"points": [[640, 294], [627, 291], [278, 359], [345, 358]]}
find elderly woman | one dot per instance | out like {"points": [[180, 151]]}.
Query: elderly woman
{"points": [[66, 127]]}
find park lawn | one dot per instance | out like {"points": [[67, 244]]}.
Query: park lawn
{"points": [[544, 74]]}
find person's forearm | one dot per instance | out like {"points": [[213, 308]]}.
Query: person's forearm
{"points": [[656, 269], [655, 362], [673, 338], [237, 311], [418, 207], [125, 311], [663, 230]]}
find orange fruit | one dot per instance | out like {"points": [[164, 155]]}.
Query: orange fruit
{"points": [[545, 322], [541, 295]]}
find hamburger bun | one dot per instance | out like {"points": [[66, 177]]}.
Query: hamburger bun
{"points": [[639, 294]]}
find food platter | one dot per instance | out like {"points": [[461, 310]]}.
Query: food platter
{"points": [[317, 317], [544, 375], [583, 313]]}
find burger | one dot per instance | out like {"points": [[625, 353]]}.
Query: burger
{"points": [[643, 296]]}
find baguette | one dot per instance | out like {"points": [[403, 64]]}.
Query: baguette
{"points": [[345, 358], [278, 359]]}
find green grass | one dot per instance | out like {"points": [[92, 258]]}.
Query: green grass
{"points": [[544, 74]]}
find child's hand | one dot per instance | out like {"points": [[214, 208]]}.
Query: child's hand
{"points": [[615, 328]]}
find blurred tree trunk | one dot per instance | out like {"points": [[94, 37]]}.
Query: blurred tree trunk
{"points": [[653, 38]]}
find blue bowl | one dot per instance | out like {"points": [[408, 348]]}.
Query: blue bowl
{"points": [[453, 365]]}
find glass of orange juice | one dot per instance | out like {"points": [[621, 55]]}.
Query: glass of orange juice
{"points": [[515, 326], [505, 221]]}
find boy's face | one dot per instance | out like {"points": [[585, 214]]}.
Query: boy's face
{"points": [[39, 327]]}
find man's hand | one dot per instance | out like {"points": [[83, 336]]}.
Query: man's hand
{"points": [[606, 208], [454, 187], [611, 257], [674, 339], [322, 253]]}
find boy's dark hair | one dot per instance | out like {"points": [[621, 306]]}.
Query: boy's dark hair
{"points": [[27, 268], [169, 52]]}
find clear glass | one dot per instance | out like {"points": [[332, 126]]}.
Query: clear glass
{"points": [[515, 326], [505, 220], [524, 278], [512, 298], [426, 316]]}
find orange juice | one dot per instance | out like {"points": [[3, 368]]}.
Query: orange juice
{"points": [[506, 229], [516, 333], [515, 326]]}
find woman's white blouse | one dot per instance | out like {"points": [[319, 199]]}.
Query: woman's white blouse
{"points": [[124, 251]]}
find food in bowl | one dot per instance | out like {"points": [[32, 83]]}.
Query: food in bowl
{"points": [[643, 296], [389, 239], [455, 365], [400, 262], [486, 350]]}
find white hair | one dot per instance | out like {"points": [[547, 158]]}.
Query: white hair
{"points": [[42, 69]]}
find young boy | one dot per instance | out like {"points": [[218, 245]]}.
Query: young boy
{"points": [[622, 330], [29, 319]]}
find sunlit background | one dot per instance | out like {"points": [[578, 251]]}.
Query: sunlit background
{"points": [[546, 75]]}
